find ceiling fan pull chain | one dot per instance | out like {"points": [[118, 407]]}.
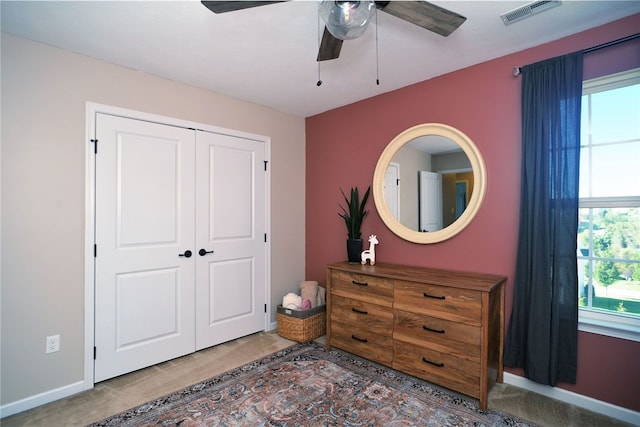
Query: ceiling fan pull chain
{"points": [[377, 61], [319, 44]]}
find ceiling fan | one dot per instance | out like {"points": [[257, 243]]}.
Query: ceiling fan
{"points": [[348, 19]]}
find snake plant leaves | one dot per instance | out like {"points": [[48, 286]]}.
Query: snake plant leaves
{"points": [[354, 212]]}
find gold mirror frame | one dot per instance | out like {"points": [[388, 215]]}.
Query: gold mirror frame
{"points": [[475, 201]]}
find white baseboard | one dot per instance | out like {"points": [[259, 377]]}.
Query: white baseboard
{"points": [[40, 399], [613, 411]]}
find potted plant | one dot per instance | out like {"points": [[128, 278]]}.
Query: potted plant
{"points": [[353, 214]]}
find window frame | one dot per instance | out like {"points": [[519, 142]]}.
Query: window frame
{"points": [[597, 321]]}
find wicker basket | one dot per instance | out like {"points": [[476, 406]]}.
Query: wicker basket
{"points": [[302, 325]]}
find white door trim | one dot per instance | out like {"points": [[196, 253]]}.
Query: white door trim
{"points": [[89, 296]]}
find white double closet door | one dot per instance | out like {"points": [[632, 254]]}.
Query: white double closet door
{"points": [[180, 242]]}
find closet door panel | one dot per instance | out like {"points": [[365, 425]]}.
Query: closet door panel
{"points": [[144, 312], [230, 233]]}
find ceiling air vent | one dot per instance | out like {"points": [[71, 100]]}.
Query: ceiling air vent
{"points": [[528, 10]]}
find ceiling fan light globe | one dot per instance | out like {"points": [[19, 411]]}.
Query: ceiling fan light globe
{"points": [[347, 20]]}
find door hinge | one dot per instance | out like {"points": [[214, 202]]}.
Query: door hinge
{"points": [[265, 237], [95, 251], [265, 165], [95, 352], [265, 308], [95, 145], [397, 181]]}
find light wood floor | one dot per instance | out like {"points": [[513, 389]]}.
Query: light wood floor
{"points": [[119, 394]]}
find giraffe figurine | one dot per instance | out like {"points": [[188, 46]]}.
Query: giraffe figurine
{"points": [[370, 254]]}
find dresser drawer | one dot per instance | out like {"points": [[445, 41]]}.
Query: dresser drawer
{"points": [[362, 342], [362, 287], [458, 339], [455, 304], [365, 315], [439, 368]]}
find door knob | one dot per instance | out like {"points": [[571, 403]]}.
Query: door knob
{"points": [[203, 252], [186, 254]]}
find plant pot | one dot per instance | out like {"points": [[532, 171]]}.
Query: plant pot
{"points": [[354, 249]]}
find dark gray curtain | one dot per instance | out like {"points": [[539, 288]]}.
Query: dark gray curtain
{"points": [[543, 328]]}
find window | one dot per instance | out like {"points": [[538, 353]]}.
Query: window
{"points": [[609, 207]]}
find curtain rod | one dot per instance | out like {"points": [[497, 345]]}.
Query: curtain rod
{"points": [[516, 70]]}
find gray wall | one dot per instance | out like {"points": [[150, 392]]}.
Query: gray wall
{"points": [[44, 95]]}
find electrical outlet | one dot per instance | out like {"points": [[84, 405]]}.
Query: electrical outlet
{"points": [[53, 344]]}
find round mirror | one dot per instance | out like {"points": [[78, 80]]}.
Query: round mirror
{"points": [[429, 183]]}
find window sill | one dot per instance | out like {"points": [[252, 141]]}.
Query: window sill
{"points": [[599, 323]]}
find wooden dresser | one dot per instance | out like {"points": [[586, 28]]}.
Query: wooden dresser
{"points": [[446, 327]]}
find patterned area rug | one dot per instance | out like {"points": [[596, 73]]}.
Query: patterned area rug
{"points": [[306, 385]]}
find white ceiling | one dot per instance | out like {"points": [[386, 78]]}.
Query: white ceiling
{"points": [[267, 55]]}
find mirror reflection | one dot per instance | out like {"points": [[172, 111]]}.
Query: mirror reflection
{"points": [[428, 183]]}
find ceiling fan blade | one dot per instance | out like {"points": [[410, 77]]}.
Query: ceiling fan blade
{"points": [[329, 46], [230, 6], [424, 14]]}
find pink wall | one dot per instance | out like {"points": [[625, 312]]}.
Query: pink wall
{"points": [[483, 101]]}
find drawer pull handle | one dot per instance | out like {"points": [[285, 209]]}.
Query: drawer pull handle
{"points": [[426, 295], [439, 365], [437, 331], [358, 338], [355, 310], [359, 283]]}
